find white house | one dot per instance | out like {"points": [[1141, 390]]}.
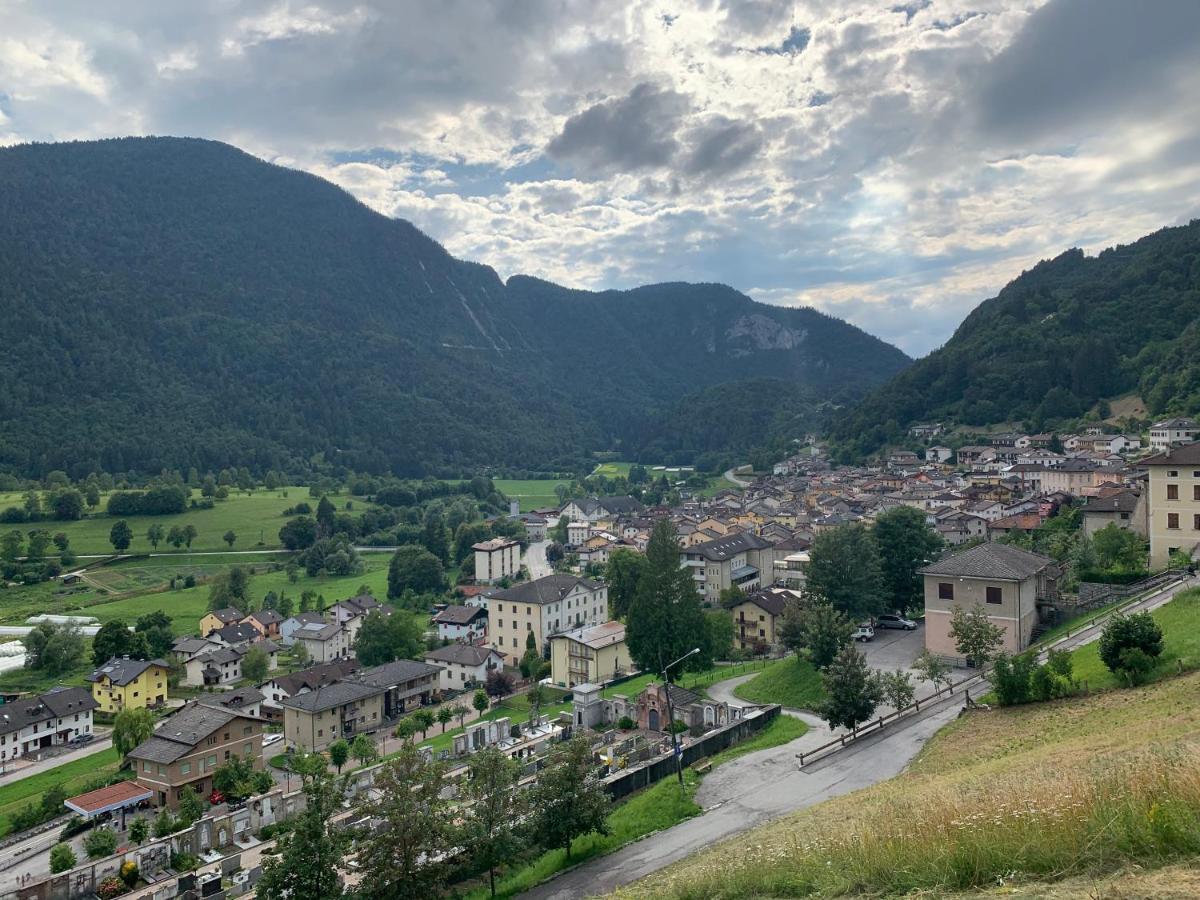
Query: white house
{"points": [[467, 624], [1169, 432], [463, 665], [48, 720], [324, 641], [578, 533], [938, 454], [287, 628], [496, 559], [222, 666]]}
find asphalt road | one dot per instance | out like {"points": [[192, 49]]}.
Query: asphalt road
{"points": [[535, 560]]}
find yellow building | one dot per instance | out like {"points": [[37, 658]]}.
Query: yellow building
{"points": [[218, 619], [129, 684], [1174, 499], [590, 655], [758, 619]]}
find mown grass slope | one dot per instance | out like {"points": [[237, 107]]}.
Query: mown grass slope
{"points": [[1084, 788]]}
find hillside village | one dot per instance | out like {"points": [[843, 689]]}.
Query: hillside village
{"points": [[529, 652]]}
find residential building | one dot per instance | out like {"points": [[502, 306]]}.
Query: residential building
{"points": [[315, 719], [926, 430], [192, 744], [219, 618], [542, 607], [324, 641], [578, 533], [405, 683], [462, 623], [281, 687], [126, 683], [236, 635], [246, 700], [938, 454], [1007, 582], [463, 666], [287, 628], [757, 620], [1173, 496], [958, 527], [598, 509], [592, 654], [266, 622], [1171, 432], [221, 666], [729, 561], [496, 559], [1125, 509], [47, 720]]}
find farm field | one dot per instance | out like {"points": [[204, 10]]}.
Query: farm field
{"points": [[255, 518], [533, 493]]}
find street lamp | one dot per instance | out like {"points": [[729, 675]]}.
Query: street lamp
{"points": [[675, 750]]}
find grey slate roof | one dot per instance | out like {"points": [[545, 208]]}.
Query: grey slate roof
{"points": [[392, 673], [728, 546], [122, 671], [1184, 455], [990, 560], [316, 676], [240, 633], [331, 695], [54, 704], [180, 733], [1126, 501], [242, 697], [460, 615], [460, 654], [550, 589]]}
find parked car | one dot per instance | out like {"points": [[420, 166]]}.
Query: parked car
{"points": [[864, 632], [81, 739], [890, 621], [272, 738]]}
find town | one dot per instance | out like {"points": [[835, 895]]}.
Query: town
{"points": [[819, 598]]}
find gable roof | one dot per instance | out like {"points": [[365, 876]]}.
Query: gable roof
{"points": [[54, 704], [1124, 501], [330, 695], [266, 617], [182, 731], [990, 560], [237, 633], [549, 589], [316, 676], [461, 654], [392, 673], [245, 696], [729, 546], [1184, 455], [459, 615], [228, 615], [121, 671], [768, 601]]}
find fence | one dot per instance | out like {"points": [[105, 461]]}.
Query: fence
{"points": [[1158, 583]]}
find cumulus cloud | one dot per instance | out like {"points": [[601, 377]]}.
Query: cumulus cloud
{"points": [[892, 164]]}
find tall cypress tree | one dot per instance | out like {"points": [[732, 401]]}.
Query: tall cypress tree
{"points": [[665, 618]]}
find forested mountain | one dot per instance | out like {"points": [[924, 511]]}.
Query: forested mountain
{"points": [[1069, 332], [171, 303]]}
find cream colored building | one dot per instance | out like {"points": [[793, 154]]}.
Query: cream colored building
{"points": [[496, 559], [1005, 581], [592, 655], [1169, 432], [1174, 501], [542, 608]]}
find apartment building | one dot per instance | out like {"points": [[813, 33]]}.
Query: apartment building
{"points": [[734, 560], [190, 746], [126, 683], [1173, 496], [1170, 432], [542, 608], [591, 655], [463, 665], [496, 559]]}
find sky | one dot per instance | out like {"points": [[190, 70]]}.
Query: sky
{"points": [[893, 164]]}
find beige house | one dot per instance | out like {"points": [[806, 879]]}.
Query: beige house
{"points": [[542, 608], [595, 654], [1174, 502], [496, 559], [737, 560], [314, 720], [192, 744], [1005, 581], [1125, 509], [463, 665], [757, 619]]}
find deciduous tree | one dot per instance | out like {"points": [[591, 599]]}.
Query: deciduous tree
{"points": [[844, 568], [569, 799], [120, 535], [851, 690], [307, 857], [495, 807], [906, 542], [975, 637]]}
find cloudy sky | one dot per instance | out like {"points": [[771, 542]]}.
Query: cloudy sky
{"points": [[890, 163]]}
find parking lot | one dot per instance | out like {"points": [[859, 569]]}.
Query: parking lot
{"points": [[894, 649]]}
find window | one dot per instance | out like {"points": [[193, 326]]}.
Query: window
{"points": [[212, 761], [1173, 473], [499, 623], [248, 730], [529, 626], [1196, 523], [945, 591], [1172, 492], [995, 595], [1196, 492], [1172, 520], [185, 768]]}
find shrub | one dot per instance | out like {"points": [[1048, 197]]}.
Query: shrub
{"points": [[1011, 677], [626, 723], [99, 843], [110, 887], [62, 857], [1130, 645], [129, 872], [184, 862]]}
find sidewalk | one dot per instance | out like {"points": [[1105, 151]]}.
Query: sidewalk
{"points": [[17, 773]]}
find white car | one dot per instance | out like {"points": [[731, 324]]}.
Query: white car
{"points": [[864, 632], [273, 738]]}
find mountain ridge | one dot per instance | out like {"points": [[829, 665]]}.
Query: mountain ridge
{"points": [[176, 302]]}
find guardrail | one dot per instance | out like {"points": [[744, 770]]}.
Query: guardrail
{"points": [[944, 693]]}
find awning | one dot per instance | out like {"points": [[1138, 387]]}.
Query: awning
{"points": [[743, 572], [109, 799]]}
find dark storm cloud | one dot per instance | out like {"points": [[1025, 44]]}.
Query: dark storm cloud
{"points": [[1081, 60], [722, 146], [628, 134]]}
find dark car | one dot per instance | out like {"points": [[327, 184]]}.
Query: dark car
{"points": [[890, 621], [85, 738]]}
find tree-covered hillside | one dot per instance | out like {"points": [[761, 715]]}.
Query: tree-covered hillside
{"points": [[1069, 332], [171, 303]]}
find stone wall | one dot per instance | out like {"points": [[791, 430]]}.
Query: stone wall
{"points": [[625, 782]]}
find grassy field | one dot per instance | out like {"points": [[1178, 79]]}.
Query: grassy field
{"points": [[693, 681], [533, 493], [72, 777], [1080, 788], [1180, 622], [657, 807], [790, 681], [255, 518]]}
